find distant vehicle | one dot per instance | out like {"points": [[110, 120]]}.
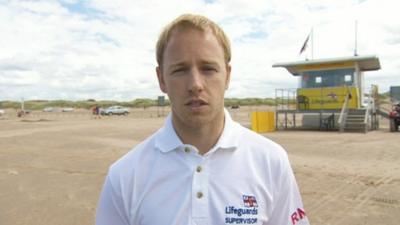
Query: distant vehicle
{"points": [[394, 116], [115, 110], [48, 109], [367, 101], [21, 113], [2, 112], [67, 109]]}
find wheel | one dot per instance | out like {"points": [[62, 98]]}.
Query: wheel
{"points": [[393, 126]]}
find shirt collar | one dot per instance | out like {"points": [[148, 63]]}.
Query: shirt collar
{"points": [[167, 139]]}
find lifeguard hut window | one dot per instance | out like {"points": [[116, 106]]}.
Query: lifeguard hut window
{"points": [[327, 78]]}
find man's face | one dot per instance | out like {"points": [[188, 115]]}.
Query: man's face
{"points": [[195, 76]]}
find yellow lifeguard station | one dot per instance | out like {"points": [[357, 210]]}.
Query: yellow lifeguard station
{"points": [[334, 90]]}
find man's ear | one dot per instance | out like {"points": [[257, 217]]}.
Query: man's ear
{"points": [[161, 81], [228, 76]]}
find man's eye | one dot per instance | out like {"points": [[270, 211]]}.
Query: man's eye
{"points": [[209, 69], [179, 70]]}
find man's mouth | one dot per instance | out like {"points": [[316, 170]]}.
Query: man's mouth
{"points": [[196, 103]]}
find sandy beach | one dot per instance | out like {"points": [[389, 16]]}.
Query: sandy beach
{"points": [[53, 166]]}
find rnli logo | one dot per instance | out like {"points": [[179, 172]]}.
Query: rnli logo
{"points": [[332, 96], [242, 215], [298, 215]]}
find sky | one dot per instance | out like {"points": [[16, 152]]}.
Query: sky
{"points": [[105, 50]]}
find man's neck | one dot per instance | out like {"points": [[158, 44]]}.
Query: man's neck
{"points": [[203, 137]]}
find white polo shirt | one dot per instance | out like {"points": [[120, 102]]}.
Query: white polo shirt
{"points": [[244, 179]]}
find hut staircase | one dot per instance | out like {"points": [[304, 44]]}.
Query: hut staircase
{"points": [[355, 121]]}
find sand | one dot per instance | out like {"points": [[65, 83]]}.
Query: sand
{"points": [[53, 166]]}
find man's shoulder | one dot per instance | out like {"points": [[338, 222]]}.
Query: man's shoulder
{"points": [[261, 154], [134, 157], [252, 138], [259, 145]]}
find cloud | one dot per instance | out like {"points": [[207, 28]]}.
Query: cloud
{"points": [[74, 49]]}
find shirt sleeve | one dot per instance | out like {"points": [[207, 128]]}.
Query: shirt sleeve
{"points": [[110, 209], [287, 204]]}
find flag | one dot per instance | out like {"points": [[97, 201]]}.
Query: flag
{"points": [[249, 201], [305, 44]]}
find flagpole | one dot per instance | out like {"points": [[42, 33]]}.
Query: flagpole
{"points": [[312, 43], [355, 39]]}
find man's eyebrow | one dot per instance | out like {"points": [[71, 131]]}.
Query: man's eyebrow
{"points": [[202, 62], [209, 62], [178, 64]]}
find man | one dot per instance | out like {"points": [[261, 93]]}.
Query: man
{"points": [[201, 167]]}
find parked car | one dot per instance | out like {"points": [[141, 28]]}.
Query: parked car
{"points": [[2, 112], [67, 109], [114, 110], [48, 109]]}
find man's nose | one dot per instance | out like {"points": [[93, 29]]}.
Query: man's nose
{"points": [[195, 84]]}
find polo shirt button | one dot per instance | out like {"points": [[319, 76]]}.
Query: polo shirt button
{"points": [[187, 149], [199, 195], [199, 169]]}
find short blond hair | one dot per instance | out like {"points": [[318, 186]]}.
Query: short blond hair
{"points": [[193, 21]]}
